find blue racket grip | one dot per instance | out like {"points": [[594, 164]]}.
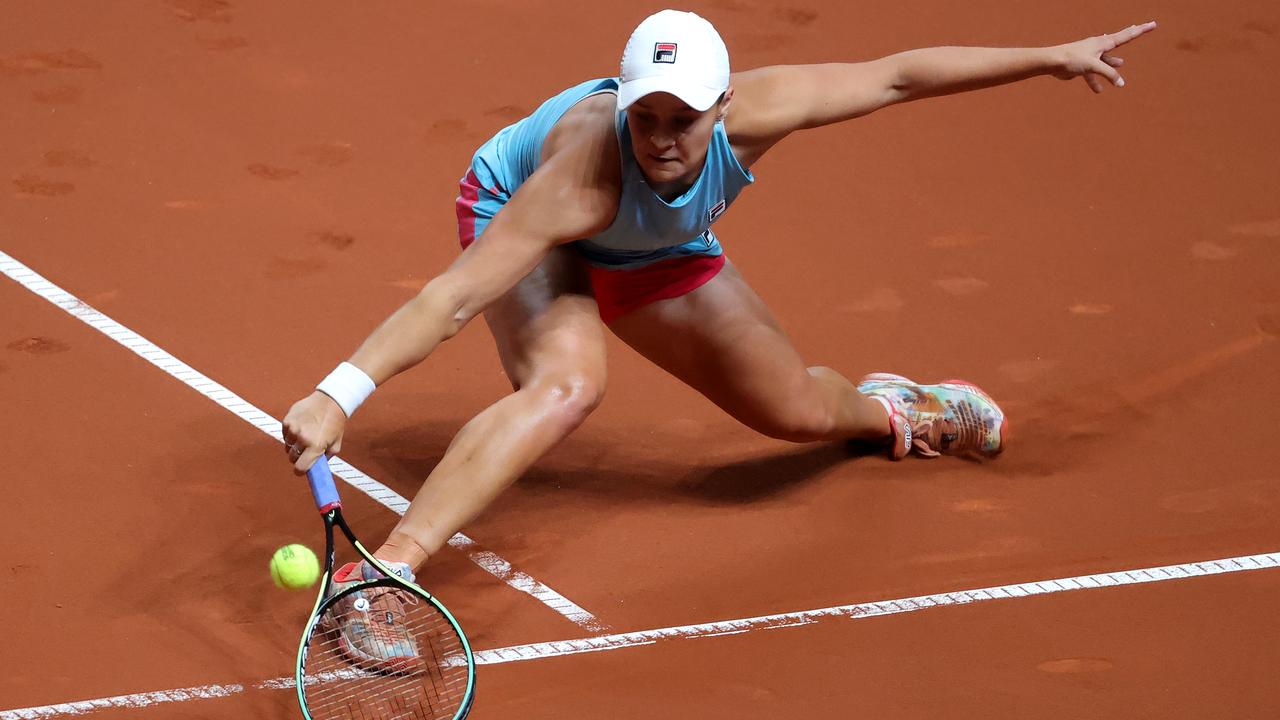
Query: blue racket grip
{"points": [[322, 488]]}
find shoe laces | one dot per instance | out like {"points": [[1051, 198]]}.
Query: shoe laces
{"points": [[393, 600]]}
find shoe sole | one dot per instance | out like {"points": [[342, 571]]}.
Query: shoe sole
{"points": [[958, 384]]}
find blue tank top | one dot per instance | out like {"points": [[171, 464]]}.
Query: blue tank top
{"points": [[646, 228]]}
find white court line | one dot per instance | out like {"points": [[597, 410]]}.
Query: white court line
{"points": [[537, 651], [244, 410], [137, 700], [544, 650]]}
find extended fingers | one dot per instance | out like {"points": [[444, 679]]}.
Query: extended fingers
{"points": [[1131, 33], [1105, 64]]}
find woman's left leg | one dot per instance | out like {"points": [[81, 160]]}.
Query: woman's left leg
{"points": [[723, 341]]}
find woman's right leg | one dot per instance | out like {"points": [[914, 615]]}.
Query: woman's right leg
{"points": [[552, 345]]}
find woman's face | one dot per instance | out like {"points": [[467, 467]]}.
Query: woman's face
{"points": [[669, 138]]}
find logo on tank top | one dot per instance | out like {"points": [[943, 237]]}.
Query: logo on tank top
{"points": [[664, 52], [716, 211]]}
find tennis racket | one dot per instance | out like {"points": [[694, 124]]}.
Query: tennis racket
{"points": [[381, 649]]}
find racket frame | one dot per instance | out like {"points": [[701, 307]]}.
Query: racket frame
{"points": [[325, 492]]}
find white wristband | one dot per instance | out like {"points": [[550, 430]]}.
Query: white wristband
{"points": [[349, 386]]}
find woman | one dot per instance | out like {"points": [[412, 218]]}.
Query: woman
{"points": [[596, 210]]}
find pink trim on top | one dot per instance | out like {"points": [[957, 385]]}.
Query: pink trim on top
{"points": [[468, 196]]}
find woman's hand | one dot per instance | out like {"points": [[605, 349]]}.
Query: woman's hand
{"points": [[312, 428], [1092, 57]]}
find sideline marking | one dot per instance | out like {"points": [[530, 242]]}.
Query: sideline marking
{"points": [[537, 651], [540, 651], [241, 408], [137, 700]]}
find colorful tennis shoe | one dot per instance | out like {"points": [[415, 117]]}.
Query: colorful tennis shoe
{"points": [[370, 624], [953, 417]]}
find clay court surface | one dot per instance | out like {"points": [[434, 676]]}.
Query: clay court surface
{"points": [[252, 186]]}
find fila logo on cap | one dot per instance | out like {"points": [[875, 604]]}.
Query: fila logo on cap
{"points": [[664, 52]]}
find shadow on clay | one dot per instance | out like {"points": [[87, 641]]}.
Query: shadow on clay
{"points": [[411, 453], [763, 478]]}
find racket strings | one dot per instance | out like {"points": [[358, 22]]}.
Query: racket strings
{"points": [[383, 654]]}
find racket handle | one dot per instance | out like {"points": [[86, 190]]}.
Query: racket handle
{"points": [[322, 488]]}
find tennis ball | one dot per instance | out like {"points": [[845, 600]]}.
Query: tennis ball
{"points": [[294, 567]]}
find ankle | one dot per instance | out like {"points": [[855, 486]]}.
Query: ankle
{"points": [[888, 413], [401, 548]]}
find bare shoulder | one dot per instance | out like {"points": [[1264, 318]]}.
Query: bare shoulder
{"points": [[756, 85], [752, 122], [574, 193], [589, 123], [772, 102]]}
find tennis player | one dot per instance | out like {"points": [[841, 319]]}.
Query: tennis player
{"points": [[597, 210]]}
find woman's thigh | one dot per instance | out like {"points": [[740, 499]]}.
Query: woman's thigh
{"points": [[722, 340], [548, 326]]}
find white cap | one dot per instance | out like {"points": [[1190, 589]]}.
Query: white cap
{"points": [[678, 53]]}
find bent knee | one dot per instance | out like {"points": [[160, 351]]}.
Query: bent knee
{"points": [[568, 397]]}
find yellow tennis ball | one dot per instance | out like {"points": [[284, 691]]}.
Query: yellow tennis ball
{"points": [[295, 567]]}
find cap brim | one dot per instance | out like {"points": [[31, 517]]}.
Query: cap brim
{"points": [[698, 97]]}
